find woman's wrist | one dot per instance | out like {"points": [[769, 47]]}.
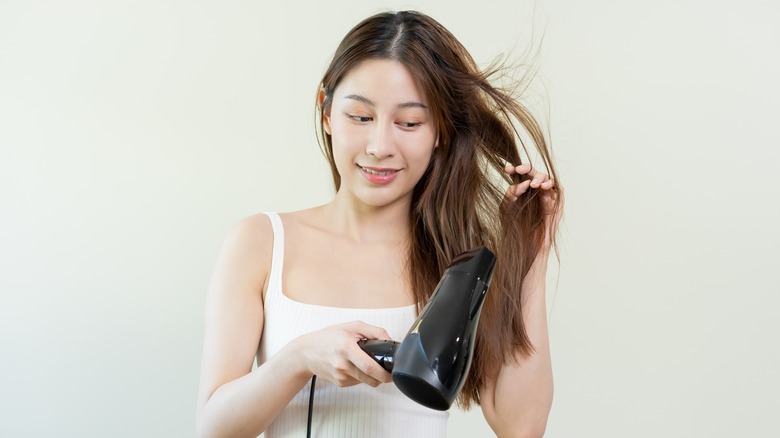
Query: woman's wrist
{"points": [[292, 357]]}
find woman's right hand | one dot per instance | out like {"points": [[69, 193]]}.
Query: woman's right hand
{"points": [[333, 354]]}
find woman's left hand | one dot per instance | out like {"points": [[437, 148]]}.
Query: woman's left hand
{"points": [[537, 180], [550, 191]]}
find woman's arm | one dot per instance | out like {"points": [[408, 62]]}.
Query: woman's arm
{"points": [[517, 402], [233, 399]]}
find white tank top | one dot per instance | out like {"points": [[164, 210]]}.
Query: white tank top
{"points": [[358, 411]]}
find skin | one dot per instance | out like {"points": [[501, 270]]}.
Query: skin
{"points": [[379, 122]]}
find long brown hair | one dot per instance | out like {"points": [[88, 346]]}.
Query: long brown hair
{"points": [[460, 201]]}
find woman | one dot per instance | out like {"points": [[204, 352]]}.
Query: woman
{"points": [[417, 141]]}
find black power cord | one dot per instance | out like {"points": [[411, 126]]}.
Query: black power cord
{"points": [[311, 404]]}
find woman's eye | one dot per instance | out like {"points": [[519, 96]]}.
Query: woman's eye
{"points": [[409, 125], [361, 119]]}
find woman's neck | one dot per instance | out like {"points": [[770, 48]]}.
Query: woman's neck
{"points": [[368, 224]]}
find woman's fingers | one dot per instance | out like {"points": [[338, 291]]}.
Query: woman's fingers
{"points": [[525, 168], [537, 180], [333, 353], [350, 374], [519, 189], [520, 170], [368, 331], [364, 363], [368, 371]]}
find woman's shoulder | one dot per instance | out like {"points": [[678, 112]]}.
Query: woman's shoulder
{"points": [[245, 257], [253, 230], [248, 246], [256, 231]]}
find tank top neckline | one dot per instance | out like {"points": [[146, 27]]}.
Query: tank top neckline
{"points": [[275, 282]]}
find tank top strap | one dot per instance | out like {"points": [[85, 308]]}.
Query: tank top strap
{"points": [[277, 262]]}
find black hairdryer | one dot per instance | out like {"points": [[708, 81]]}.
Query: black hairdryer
{"points": [[431, 364]]}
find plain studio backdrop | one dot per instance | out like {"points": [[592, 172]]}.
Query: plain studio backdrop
{"points": [[134, 133]]}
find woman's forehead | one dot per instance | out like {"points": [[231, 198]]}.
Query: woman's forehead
{"points": [[381, 81]]}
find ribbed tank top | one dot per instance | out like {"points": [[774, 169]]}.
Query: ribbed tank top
{"points": [[358, 411]]}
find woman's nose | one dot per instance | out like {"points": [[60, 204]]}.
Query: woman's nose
{"points": [[381, 144]]}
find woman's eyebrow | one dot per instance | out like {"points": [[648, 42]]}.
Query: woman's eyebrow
{"points": [[369, 102]]}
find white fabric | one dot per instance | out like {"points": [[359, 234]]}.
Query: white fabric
{"points": [[358, 411]]}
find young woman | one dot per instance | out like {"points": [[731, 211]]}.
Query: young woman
{"points": [[418, 141]]}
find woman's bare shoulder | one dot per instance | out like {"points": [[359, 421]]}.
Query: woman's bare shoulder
{"points": [[248, 247], [253, 236], [251, 232], [244, 262]]}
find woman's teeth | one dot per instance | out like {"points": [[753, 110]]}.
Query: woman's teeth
{"points": [[376, 172]]}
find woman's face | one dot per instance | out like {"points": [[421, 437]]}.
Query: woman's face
{"points": [[382, 133]]}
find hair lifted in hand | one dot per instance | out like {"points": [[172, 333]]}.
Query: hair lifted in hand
{"points": [[459, 202]]}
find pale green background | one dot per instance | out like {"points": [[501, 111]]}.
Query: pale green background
{"points": [[134, 133]]}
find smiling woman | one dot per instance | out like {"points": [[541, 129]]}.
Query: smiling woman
{"points": [[382, 133], [414, 134]]}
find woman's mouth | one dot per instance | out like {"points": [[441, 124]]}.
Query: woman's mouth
{"points": [[378, 171], [376, 175]]}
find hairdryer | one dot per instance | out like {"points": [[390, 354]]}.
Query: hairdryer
{"points": [[430, 365]]}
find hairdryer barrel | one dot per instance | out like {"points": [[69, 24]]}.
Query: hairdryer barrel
{"points": [[431, 364]]}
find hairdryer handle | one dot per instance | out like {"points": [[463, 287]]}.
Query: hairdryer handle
{"points": [[383, 352]]}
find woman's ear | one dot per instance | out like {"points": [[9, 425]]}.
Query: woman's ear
{"points": [[325, 111]]}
